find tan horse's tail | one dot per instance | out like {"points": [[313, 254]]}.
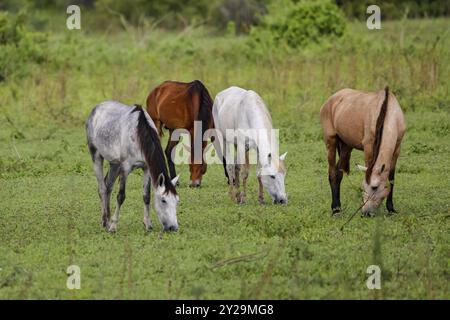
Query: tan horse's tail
{"points": [[378, 133]]}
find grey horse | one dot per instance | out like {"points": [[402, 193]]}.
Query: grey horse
{"points": [[126, 137]]}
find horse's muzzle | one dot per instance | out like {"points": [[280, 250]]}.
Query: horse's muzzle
{"points": [[171, 228], [195, 184], [280, 201]]}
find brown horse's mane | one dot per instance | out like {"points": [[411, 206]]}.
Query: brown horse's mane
{"points": [[378, 134], [152, 150], [206, 103]]}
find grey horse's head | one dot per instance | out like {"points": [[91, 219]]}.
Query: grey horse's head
{"points": [[165, 203]]}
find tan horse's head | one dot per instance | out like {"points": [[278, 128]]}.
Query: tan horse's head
{"points": [[376, 190]]}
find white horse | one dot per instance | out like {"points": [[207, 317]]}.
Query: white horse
{"points": [[127, 138], [242, 118]]}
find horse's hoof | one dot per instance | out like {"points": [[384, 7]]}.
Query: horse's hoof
{"points": [[112, 228], [336, 212], [148, 226], [367, 215], [392, 212], [239, 198]]}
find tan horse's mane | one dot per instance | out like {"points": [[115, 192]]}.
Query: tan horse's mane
{"points": [[378, 134]]}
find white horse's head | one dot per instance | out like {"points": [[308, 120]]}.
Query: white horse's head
{"points": [[165, 202], [272, 177]]}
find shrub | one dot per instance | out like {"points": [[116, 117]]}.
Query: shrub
{"points": [[298, 23], [19, 48]]}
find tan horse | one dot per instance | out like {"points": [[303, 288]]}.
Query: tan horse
{"points": [[369, 121]]}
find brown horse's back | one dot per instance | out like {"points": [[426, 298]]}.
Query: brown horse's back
{"points": [[179, 105], [170, 104]]}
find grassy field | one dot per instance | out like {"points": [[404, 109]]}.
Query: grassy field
{"points": [[50, 212]]}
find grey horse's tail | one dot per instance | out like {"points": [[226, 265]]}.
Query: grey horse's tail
{"points": [[89, 132], [152, 150]]}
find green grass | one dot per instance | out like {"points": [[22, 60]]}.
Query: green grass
{"points": [[50, 212]]}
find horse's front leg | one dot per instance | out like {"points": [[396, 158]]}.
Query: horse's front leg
{"points": [[146, 197], [120, 199]]}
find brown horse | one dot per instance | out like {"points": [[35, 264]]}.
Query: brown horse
{"points": [[368, 121], [176, 105]]}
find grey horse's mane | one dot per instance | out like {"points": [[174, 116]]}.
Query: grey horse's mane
{"points": [[152, 150]]}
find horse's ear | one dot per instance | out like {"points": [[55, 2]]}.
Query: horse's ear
{"points": [[175, 180], [361, 168], [161, 180], [283, 156]]}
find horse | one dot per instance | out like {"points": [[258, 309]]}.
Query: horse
{"points": [[245, 113], [372, 122], [126, 137], [177, 105]]}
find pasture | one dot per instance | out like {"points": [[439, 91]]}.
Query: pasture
{"points": [[50, 212]]}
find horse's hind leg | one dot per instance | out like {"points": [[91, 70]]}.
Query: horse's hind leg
{"points": [[343, 165], [237, 194], [389, 200], [170, 145], [331, 142], [110, 179], [221, 153], [230, 168], [244, 176], [120, 199], [146, 197], [102, 193], [344, 157]]}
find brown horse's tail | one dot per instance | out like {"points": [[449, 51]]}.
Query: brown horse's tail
{"points": [[205, 104], [378, 134]]}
